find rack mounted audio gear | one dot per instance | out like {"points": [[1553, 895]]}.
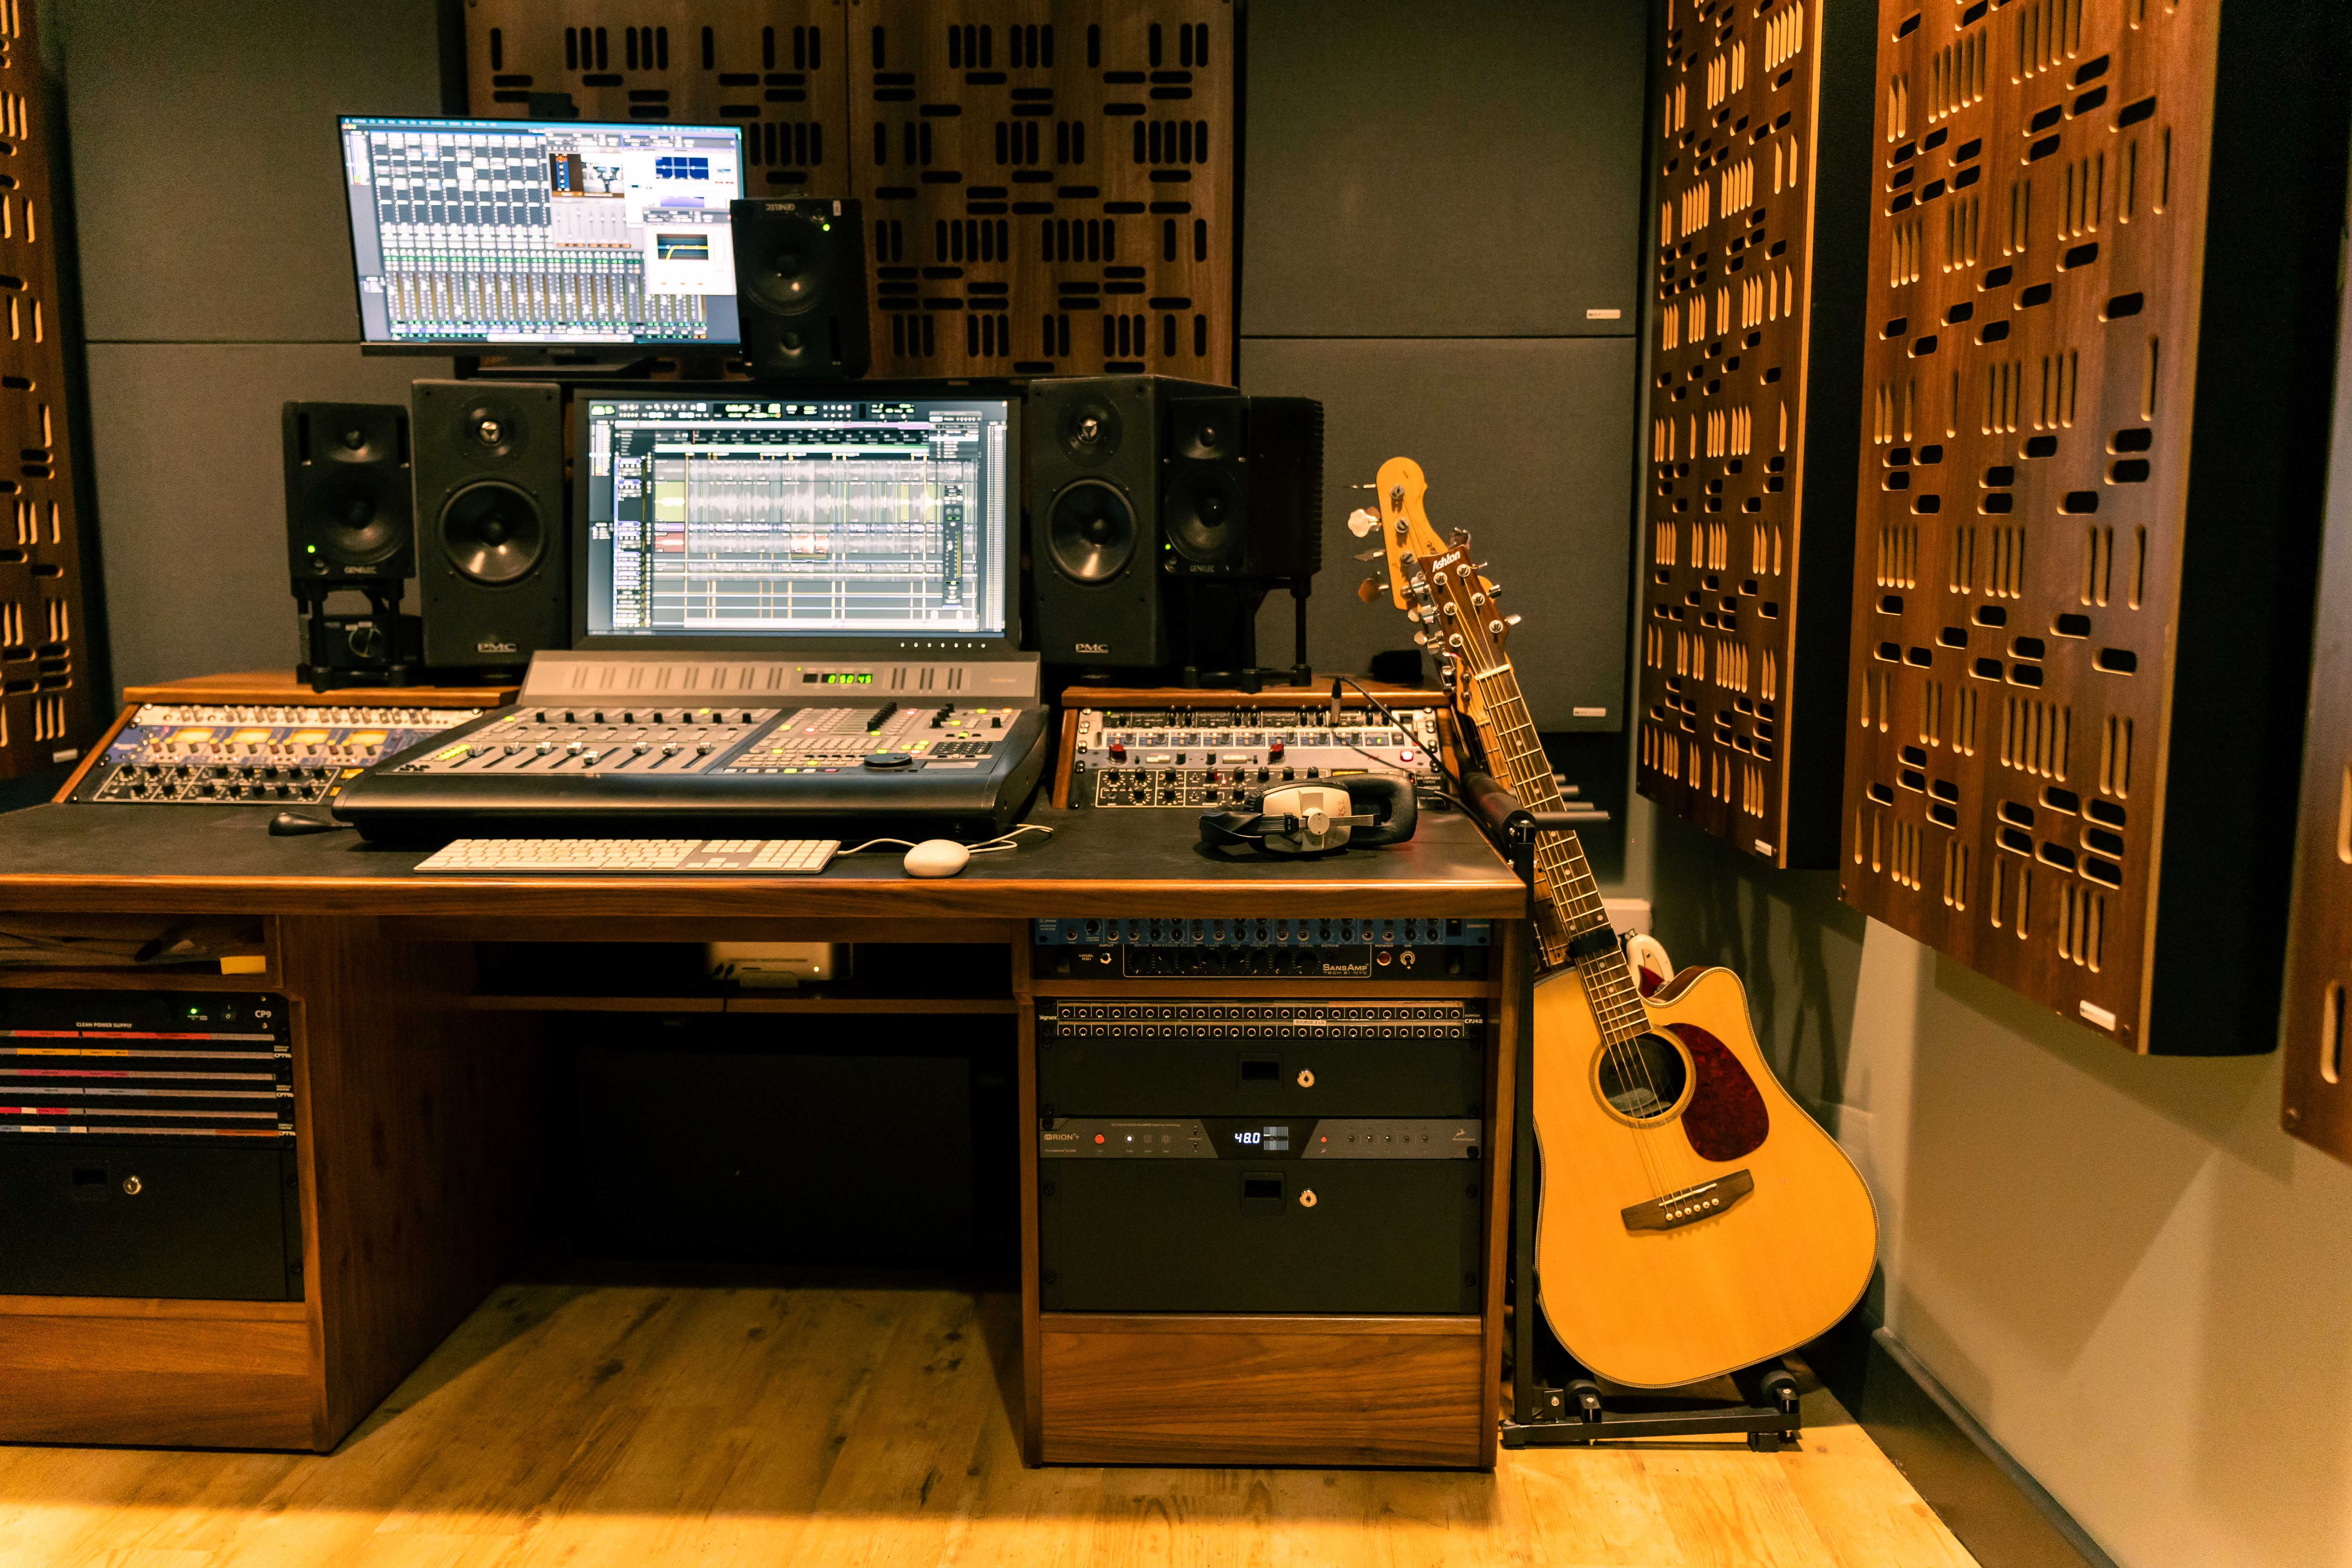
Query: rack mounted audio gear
{"points": [[677, 744], [251, 754]]}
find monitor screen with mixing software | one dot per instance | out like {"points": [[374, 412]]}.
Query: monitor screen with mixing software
{"points": [[820, 517], [523, 233]]}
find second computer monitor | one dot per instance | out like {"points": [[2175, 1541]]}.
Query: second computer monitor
{"points": [[520, 234], [855, 517]]}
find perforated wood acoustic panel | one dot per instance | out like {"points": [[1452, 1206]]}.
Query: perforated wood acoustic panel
{"points": [[1048, 187], [48, 708], [2068, 734], [1752, 390], [2317, 1101], [780, 69]]}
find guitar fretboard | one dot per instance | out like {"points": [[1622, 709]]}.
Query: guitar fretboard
{"points": [[1568, 896]]}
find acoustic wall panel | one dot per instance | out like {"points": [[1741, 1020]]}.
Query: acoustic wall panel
{"points": [[778, 68], [1760, 206], [2095, 422], [2317, 1101], [49, 708], [1048, 187]]}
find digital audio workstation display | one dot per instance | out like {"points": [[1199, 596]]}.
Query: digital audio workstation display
{"points": [[848, 518], [518, 232]]}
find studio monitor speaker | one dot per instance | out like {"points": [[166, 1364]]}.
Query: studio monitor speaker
{"points": [[492, 565], [347, 508], [1241, 486], [800, 288], [1094, 520]]}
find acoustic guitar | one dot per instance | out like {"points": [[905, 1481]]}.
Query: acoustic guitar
{"points": [[1693, 1220]]}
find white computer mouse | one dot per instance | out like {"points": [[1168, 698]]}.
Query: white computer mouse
{"points": [[937, 857]]}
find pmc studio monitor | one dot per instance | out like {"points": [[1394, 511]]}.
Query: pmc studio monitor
{"points": [[1095, 517], [491, 559], [800, 288], [1155, 503]]}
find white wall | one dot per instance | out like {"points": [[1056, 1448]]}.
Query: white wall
{"points": [[2122, 1267]]}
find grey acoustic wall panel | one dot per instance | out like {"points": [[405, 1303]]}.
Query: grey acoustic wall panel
{"points": [[1527, 443], [1466, 171], [192, 484], [208, 177]]}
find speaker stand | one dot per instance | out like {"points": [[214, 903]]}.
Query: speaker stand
{"points": [[1301, 672], [382, 647]]}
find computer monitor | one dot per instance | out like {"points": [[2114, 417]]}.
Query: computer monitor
{"points": [[519, 233], [850, 517]]}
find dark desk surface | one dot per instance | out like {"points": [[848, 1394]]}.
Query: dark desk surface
{"points": [[222, 859]]}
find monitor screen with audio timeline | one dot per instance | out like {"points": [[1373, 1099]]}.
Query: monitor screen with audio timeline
{"points": [[837, 514], [550, 234]]}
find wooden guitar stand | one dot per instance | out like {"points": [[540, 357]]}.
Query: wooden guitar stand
{"points": [[1578, 1408]]}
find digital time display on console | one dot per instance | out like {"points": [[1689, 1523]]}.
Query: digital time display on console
{"points": [[838, 678], [1273, 1139]]}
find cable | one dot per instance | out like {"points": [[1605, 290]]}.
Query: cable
{"points": [[1003, 841], [1451, 795]]}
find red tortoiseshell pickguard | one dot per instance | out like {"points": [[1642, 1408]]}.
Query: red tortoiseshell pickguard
{"points": [[1725, 1116]]}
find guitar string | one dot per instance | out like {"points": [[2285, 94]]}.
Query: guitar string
{"points": [[1612, 1008], [1615, 1002]]}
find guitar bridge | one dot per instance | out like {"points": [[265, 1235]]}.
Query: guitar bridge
{"points": [[1691, 1205]]}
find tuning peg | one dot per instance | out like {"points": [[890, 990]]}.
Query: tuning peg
{"points": [[1494, 590], [1369, 589], [1369, 486], [1510, 620], [1362, 520], [1421, 639], [1369, 554], [1459, 537]]}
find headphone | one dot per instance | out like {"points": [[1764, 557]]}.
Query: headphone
{"points": [[1363, 809]]}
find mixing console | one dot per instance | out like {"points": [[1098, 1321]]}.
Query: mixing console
{"points": [[670, 742], [1204, 756], [253, 755]]}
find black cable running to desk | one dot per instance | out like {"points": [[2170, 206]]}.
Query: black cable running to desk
{"points": [[1452, 796]]}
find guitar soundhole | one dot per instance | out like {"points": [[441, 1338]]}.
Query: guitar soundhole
{"points": [[1643, 1079]]}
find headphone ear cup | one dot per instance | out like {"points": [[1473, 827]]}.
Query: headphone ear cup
{"points": [[1388, 798]]}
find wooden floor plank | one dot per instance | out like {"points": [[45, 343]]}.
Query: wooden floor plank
{"points": [[866, 1428]]}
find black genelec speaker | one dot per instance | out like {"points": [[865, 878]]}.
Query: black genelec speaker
{"points": [[1204, 488], [800, 288], [491, 566], [347, 493]]}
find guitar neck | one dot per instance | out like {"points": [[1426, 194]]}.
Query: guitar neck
{"points": [[1568, 896]]}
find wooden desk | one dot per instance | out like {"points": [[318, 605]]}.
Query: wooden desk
{"points": [[415, 1095]]}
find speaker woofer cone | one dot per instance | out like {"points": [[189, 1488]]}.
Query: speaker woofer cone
{"points": [[492, 534], [792, 270], [1203, 513], [354, 527], [1090, 531]]}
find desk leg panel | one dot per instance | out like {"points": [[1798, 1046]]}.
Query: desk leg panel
{"points": [[418, 1120]]}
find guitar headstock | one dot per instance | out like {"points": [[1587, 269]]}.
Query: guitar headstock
{"points": [[1433, 579]]}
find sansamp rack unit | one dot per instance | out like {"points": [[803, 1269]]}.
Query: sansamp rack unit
{"points": [[1270, 1155], [681, 741], [147, 1145], [206, 754]]}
